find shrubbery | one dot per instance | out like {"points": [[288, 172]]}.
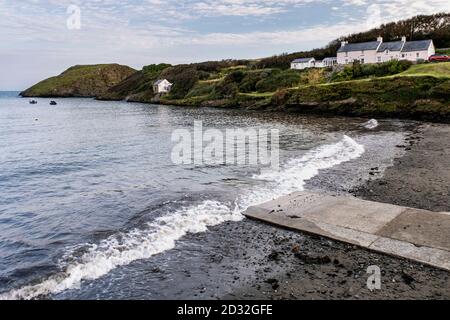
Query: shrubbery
{"points": [[228, 87], [201, 89], [360, 71], [216, 66], [248, 83], [314, 76], [155, 69], [183, 77], [278, 79]]}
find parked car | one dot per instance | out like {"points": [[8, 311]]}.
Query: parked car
{"points": [[439, 58]]}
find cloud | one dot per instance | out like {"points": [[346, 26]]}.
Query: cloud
{"points": [[400, 9], [145, 31]]}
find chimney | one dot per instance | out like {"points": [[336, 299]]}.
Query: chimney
{"points": [[403, 39], [380, 39]]}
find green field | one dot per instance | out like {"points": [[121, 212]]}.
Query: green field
{"points": [[429, 69]]}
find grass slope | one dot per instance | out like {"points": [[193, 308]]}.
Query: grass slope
{"points": [[81, 81], [429, 69]]}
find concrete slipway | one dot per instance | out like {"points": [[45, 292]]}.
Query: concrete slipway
{"points": [[418, 235]]}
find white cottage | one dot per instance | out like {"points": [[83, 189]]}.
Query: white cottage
{"points": [[303, 63], [162, 86], [379, 51]]}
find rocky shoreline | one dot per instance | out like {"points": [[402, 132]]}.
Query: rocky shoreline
{"points": [[253, 260], [300, 266]]}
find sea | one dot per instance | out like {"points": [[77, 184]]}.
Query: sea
{"points": [[93, 205]]}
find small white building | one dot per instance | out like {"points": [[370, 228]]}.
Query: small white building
{"points": [[380, 51], [303, 63], [162, 86]]}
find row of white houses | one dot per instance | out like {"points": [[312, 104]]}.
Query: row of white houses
{"points": [[372, 52]]}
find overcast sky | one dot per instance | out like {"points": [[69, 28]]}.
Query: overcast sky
{"points": [[36, 42]]}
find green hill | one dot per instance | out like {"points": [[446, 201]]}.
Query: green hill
{"points": [[81, 81]]}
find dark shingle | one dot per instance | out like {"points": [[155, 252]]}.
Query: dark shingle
{"points": [[391, 46], [302, 60], [416, 45], [373, 45]]}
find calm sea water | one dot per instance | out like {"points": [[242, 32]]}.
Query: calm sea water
{"points": [[87, 188]]}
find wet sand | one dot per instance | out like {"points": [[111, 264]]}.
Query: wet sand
{"points": [[299, 266]]}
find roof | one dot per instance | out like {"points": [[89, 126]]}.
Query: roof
{"points": [[302, 60], [159, 82], [330, 59], [373, 45], [391, 46], [417, 45]]}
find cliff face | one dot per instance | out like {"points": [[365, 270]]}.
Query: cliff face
{"points": [[81, 81]]}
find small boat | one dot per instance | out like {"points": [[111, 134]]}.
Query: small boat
{"points": [[53, 103], [33, 102]]}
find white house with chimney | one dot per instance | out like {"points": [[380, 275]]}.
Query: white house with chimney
{"points": [[162, 86], [380, 51]]}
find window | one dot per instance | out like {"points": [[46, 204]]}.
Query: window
{"points": [[387, 51], [362, 60], [417, 54], [346, 54], [379, 59], [362, 52], [403, 55], [346, 61]]}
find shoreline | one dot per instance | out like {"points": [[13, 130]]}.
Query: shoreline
{"points": [[252, 260], [302, 109], [313, 267]]}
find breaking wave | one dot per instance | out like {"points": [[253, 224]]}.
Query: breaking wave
{"points": [[161, 235], [371, 124]]}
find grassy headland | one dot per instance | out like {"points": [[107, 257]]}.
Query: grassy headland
{"points": [[81, 81]]}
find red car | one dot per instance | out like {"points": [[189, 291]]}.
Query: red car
{"points": [[439, 58]]}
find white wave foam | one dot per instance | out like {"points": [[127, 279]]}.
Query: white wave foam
{"points": [[371, 124], [162, 234], [298, 171]]}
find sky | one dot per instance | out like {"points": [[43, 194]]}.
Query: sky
{"points": [[42, 38]]}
